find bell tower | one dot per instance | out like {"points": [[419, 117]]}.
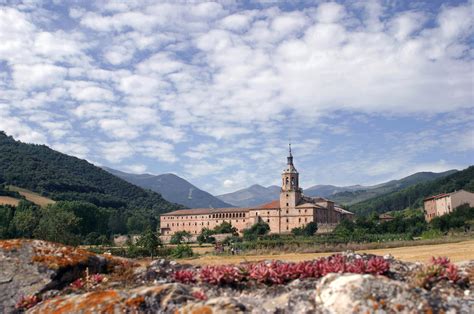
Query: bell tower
{"points": [[290, 193]]}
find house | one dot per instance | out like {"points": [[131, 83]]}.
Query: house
{"points": [[442, 204]]}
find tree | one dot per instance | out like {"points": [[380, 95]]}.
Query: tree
{"points": [[261, 228], [225, 227], [206, 236], [307, 230], [25, 220], [180, 237], [149, 241], [58, 225]]}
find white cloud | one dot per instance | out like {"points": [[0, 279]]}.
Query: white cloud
{"points": [[31, 76], [136, 168]]}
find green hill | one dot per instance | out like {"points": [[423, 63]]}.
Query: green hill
{"points": [[413, 196], [62, 177], [359, 195]]}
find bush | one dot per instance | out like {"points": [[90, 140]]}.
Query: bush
{"points": [[307, 231], [259, 229], [431, 234], [182, 251], [206, 236], [180, 237]]}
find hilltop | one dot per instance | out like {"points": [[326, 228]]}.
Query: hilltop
{"points": [[173, 188], [61, 177], [412, 196]]}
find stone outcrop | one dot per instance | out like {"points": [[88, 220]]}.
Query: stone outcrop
{"points": [[62, 279], [32, 267]]}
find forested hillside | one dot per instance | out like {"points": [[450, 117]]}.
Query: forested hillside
{"points": [[350, 197], [123, 206], [413, 196]]}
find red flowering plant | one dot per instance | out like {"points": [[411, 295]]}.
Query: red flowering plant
{"points": [[184, 276], [277, 272], [27, 302], [440, 268], [77, 284], [222, 275]]}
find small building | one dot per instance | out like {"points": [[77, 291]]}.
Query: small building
{"points": [[292, 210], [442, 204]]}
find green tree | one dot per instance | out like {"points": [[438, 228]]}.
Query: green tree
{"points": [[25, 220], [206, 236], [307, 231], [225, 227], [149, 241], [180, 237], [260, 228], [58, 225]]}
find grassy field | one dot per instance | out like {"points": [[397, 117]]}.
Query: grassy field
{"points": [[7, 200], [460, 251], [32, 197]]}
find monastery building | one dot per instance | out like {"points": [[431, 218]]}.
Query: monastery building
{"points": [[292, 210]]}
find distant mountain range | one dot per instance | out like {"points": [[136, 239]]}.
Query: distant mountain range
{"points": [[345, 195], [251, 196], [173, 188]]}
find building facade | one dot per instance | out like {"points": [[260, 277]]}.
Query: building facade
{"points": [[442, 204], [291, 210]]}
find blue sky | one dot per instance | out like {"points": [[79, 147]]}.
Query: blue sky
{"points": [[367, 91]]}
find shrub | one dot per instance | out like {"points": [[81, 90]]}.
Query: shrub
{"points": [[307, 231], [180, 237], [259, 229], [431, 234], [182, 251]]}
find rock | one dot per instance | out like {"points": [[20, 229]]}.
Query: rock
{"points": [[161, 298], [222, 305], [31, 267], [354, 293]]}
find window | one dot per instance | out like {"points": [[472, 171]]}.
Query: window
{"points": [[268, 220], [287, 209], [306, 219], [287, 220], [299, 219], [287, 204]]}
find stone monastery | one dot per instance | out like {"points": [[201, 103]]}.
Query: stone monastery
{"points": [[292, 210]]}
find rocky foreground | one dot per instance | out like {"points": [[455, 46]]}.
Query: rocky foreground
{"points": [[43, 277]]}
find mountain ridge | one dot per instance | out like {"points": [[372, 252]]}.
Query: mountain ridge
{"points": [[173, 188], [346, 195]]}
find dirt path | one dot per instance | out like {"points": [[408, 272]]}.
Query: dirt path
{"points": [[457, 252]]}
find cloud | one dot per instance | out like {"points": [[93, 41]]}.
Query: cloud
{"points": [[32, 76], [216, 89]]}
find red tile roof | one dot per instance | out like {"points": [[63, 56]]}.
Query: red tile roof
{"points": [[272, 204], [437, 196], [205, 211]]}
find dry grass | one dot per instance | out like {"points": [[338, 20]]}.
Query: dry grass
{"points": [[32, 197], [459, 251], [7, 200]]}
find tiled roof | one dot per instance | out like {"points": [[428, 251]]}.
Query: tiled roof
{"points": [[272, 204], [205, 211], [343, 211], [437, 196]]}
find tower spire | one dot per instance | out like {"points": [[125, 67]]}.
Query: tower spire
{"points": [[290, 156]]}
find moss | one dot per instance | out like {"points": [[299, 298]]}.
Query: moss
{"points": [[9, 245]]}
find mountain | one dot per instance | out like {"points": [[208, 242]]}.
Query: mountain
{"points": [[173, 189], [251, 196], [346, 195], [413, 195], [61, 177], [362, 193], [328, 190]]}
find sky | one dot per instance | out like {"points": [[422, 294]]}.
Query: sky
{"points": [[366, 91]]}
